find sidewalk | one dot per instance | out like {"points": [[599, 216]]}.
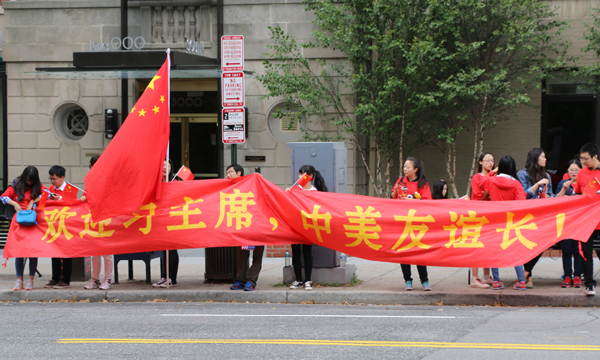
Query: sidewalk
{"points": [[381, 283]]}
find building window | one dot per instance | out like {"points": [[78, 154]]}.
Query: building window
{"points": [[70, 122], [287, 127]]}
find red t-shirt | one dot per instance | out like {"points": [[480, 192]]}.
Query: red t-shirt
{"points": [[411, 188], [68, 193], [503, 188], [476, 192], [12, 194], [588, 183]]}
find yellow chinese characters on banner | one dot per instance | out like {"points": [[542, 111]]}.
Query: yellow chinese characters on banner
{"points": [[238, 203], [470, 227], [314, 224], [517, 228], [186, 213], [60, 216], [90, 227], [151, 212], [415, 231], [366, 228]]}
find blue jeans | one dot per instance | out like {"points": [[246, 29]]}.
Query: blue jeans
{"points": [[20, 266], [570, 249], [518, 269]]}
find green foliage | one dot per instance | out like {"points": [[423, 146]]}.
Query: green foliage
{"points": [[419, 71]]}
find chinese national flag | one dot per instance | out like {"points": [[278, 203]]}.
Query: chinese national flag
{"points": [[185, 174], [128, 174], [305, 179]]}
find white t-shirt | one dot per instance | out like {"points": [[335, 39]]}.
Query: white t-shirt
{"points": [[312, 188]]}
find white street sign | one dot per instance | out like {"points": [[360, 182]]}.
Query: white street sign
{"points": [[232, 89], [233, 126], [232, 53]]}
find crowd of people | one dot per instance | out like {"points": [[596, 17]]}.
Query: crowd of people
{"points": [[492, 182]]}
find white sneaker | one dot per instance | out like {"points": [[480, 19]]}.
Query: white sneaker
{"points": [[296, 285], [105, 285], [160, 282], [488, 280], [476, 283], [94, 284], [164, 284], [308, 285]]}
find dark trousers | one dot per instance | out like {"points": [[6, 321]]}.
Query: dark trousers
{"points": [[530, 264], [299, 250], [406, 272], [588, 261], [173, 266], [61, 269], [245, 274], [570, 249]]}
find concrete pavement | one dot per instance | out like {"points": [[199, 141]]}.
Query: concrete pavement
{"points": [[380, 283]]}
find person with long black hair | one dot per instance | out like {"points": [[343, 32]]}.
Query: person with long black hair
{"points": [[440, 190], [22, 194], [537, 184], [413, 185], [485, 168], [299, 250], [504, 187]]}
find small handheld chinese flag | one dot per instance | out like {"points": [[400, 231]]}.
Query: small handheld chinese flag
{"points": [[185, 174], [305, 179]]}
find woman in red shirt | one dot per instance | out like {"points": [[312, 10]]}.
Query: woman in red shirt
{"points": [[484, 169], [505, 186], [24, 191], [413, 185]]}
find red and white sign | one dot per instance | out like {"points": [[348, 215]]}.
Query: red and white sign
{"points": [[232, 53], [233, 126], [232, 89]]}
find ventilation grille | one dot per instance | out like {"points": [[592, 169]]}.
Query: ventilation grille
{"points": [[289, 123]]}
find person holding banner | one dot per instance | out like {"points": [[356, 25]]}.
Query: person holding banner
{"points": [[588, 184], [484, 168], [172, 256], [97, 260], [501, 187], [245, 277], [60, 190], [571, 258], [537, 184], [22, 194], [413, 186], [306, 174]]}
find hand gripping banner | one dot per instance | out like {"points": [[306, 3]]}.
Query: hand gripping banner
{"points": [[252, 211]]}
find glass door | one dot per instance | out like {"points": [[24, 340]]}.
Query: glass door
{"points": [[194, 144]]}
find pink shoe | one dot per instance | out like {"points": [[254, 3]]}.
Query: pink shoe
{"points": [[520, 285]]}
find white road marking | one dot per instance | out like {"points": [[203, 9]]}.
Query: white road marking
{"points": [[325, 316]]}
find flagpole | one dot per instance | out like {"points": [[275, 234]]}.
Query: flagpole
{"points": [[169, 143]]}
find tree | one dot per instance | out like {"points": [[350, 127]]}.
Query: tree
{"points": [[519, 45]]}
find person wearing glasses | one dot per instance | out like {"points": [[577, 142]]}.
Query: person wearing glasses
{"points": [[588, 183], [569, 247], [485, 168], [62, 191]]}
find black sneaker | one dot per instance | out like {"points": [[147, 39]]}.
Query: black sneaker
{"points": [[590, 290], [50, 284], [61, 285]]}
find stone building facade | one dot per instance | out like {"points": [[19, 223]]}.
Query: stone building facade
{"points": [[45, 113]]}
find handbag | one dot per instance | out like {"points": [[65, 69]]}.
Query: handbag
{"points": [[27, 217]]}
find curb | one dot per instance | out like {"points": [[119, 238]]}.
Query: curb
{"points": [[305, 297]]}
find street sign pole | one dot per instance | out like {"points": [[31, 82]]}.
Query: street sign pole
{"points": [[233, 92]]}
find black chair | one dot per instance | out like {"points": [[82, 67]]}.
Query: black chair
{"points": [[146, 257]]}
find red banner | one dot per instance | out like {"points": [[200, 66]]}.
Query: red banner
{"points": [[252, 211]]}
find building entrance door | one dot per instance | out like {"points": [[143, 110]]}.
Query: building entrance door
{"points": [[194, 144], [568, 122]]}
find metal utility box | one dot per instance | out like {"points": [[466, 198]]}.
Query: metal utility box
{"points": [[331, 160]]}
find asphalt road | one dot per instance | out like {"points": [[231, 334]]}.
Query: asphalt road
{"points": [[277, 331]]}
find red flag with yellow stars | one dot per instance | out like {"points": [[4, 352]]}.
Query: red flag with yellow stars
{"points": [[128, 174], [185, 174]]}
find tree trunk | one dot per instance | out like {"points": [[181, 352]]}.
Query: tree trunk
{"points": [[365, 161], [387, 176], [478, 141]]}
